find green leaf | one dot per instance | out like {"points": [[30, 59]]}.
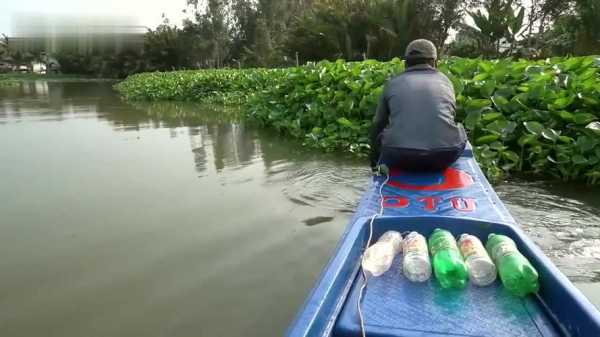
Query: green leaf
{"points": [[590, 102], [583, 118], [566, 139], [594, 126], [563, 115], [527, 139], [550, 134], [488, 154], [578, 159], [491, 116], [500, 102], [488, 88], [485, 66], [486, 139], [534, 69], [344, 122], [498, 146], [457, 83], [510, 156], [585, 143], [480, 77], [562, 103], [571, 64], [472, 119], [501, 127], [478, 104], [534, 127]]}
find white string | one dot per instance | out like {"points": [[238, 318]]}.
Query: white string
{"points": [[364, 274]]}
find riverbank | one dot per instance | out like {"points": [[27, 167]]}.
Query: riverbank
{"points": [[535, 117]]}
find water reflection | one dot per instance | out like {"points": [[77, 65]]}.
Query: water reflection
{"points": [[157, 219], [217, 137], [51, 101]]}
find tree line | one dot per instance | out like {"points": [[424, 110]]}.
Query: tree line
{"points": [[267, 33], [279, 33]]}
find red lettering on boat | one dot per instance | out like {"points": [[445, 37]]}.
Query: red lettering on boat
{"points": [[430, 203], [463, 204], [395, 202]]}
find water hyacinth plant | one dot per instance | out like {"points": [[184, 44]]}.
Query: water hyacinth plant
{"points": [[539, 117]]}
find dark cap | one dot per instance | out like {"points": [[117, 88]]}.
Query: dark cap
{"points": [[421, 49]]}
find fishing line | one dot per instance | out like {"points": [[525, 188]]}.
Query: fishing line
{"points": [[364, 274]]}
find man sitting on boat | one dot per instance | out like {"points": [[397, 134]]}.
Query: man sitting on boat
{"points": [[414, 127]]}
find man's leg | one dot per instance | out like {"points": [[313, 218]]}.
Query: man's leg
{"points": [[420, 160], [375, 154], [439, 160], [398, 158]]}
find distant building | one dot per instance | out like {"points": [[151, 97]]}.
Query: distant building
{"points": [[5, 67], [38, 67], [52, 65]]}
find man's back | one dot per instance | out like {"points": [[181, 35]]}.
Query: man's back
{"points": [[421, 108]]}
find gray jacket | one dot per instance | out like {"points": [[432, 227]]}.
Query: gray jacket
{"points": [[416, 111]]}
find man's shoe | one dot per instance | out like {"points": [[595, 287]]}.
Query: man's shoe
{"points": [[381, 170]]}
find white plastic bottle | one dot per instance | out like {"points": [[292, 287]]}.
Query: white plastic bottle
{"points": [[393, 237], [416, 264], [482, 270], [379, 257]]}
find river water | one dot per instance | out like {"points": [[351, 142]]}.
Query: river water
{"points": [[173, 219]]}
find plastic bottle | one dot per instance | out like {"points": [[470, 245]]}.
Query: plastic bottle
{"points": [[379, 257], [448, 265], [416, 264], [517, 274], [482, 271], [393, 237]]}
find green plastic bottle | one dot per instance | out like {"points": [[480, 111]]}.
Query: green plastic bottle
{"points": [[448, 265], [517, 274]]}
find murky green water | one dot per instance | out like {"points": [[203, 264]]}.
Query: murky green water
{"points": [[175, 220]]}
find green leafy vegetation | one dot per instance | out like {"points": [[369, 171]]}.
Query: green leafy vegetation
{"points": [[538, 117], [207, 86]]}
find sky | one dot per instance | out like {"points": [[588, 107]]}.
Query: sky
{"points": [[145, 12]]}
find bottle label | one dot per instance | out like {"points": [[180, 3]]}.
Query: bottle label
{"points": [[471, 246], [442, 240], [414, 244], [502, 249]]}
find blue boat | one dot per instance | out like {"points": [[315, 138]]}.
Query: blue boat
{"points": [[460, 200]]}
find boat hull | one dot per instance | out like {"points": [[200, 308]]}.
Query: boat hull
{"points": [[461, 201]]}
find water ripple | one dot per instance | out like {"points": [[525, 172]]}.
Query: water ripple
{"points": [[563, 220], [327, 185]]}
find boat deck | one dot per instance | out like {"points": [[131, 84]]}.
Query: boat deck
{"points": [[394, 306], [461, 191]]}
